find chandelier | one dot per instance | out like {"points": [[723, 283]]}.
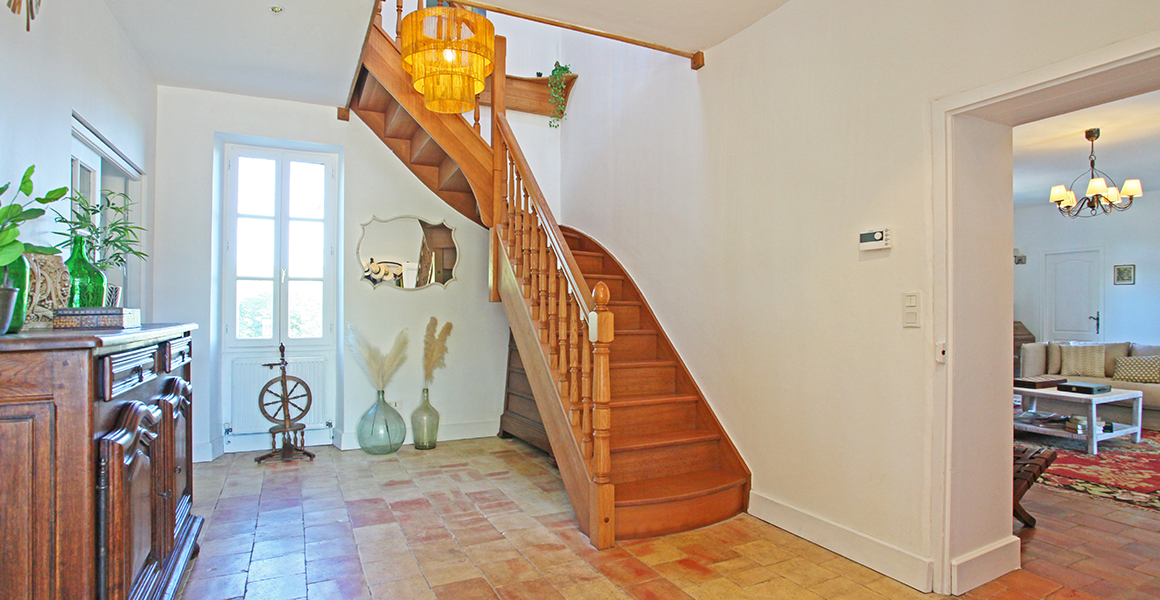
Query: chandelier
{"points": [[1100, 198], [448, 52]]}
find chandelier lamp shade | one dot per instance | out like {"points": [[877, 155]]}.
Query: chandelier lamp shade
{"points": [[1102, 195], [449, 52]]}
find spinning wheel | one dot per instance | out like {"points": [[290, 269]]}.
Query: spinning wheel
{"points": [[284, 398]]}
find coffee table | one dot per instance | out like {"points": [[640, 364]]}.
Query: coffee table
{"points": [[1089, 402]]}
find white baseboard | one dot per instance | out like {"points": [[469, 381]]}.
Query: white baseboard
{"points": [[969, 571], [447, 432], [207, 451], [892, 561]]}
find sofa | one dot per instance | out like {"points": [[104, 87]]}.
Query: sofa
{"points": [[1048, 358]]}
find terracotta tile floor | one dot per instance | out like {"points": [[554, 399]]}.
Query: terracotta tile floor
{"points": [[489, 519]]}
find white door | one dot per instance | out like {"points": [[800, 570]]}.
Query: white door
{"points": [[1074, 298]]}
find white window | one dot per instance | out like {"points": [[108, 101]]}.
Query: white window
{"points": [[280, 284]]}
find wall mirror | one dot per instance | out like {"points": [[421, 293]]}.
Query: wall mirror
{"points": [[407, 253]]}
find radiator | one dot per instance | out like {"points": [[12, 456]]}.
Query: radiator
{"points": [[249, 377]]}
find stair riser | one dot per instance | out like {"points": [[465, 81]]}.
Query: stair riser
{"points": [[626, 316], [650, 520], [643, 380], [661, 461], [634, 347], [654, 418], [590, 264]]}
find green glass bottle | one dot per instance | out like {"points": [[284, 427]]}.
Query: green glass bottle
{"points": [[425, 424], [87, 282], [382, 429], [18, 272]]}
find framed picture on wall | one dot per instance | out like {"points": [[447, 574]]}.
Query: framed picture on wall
{"points": [[1124, 274]]}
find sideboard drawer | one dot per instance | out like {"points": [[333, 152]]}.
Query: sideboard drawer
{"points": [[176, 353], [125, 371]]}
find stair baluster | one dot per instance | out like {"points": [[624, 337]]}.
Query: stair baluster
{"points": [[553, 309], [573, 362], [529, 245], [561, 340], [585, 392], [399, 19], [512, 200], [542, 251]]}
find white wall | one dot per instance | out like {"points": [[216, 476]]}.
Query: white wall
{"points": [[1127, 238], [757, 173], [468, 393], [76, 58]]}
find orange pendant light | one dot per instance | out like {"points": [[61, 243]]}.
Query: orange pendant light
{"points": [[449, 52]]}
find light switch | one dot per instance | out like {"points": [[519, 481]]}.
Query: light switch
{"points": [[912, 309]]}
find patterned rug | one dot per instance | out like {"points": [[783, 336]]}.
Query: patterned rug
{"points": [[1123, 471]]}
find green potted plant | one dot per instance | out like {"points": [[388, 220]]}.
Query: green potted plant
{"points": [[14, 287], [101, 233], [557, 92]]}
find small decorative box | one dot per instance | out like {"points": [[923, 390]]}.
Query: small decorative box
{"points": [[96, 318]]}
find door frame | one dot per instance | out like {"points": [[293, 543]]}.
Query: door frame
{"points": [[971, 541], [1045, 315]]}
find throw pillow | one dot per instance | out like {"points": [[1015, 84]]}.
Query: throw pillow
{"points": [[1141, 369], [1142, 350], [1054, 363], [1111, 353], [1084, 361]]}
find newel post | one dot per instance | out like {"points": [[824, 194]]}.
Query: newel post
{"points": [[499, 161], [604, 499], [601, 387]]}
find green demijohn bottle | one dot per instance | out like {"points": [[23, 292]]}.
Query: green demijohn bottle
{"points": [[87, 281], [425, 424], [381, 429], [18, 272]]}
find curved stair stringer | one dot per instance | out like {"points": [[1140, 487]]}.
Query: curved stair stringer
{"points": [[585, 495], [470, 156], [674, 467]]}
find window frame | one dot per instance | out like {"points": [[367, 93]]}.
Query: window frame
{"points": [[282, 219]]}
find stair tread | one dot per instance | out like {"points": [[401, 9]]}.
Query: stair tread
{"points": [[638, 441], [634, 332], [631, 364], [602, 276], [676, 487], [650, 399], [624, 303], [587, 253]]}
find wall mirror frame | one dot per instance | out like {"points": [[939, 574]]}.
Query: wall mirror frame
{"points": [[407, 252]]}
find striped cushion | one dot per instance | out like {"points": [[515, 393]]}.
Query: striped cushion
{"points": [[1141, 369], [1084, 361]]}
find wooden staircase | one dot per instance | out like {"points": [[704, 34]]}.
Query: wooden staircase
{"points": [[639, 450], [673, 466]]}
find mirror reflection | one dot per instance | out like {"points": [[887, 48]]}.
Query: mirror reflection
{"points": [[407, 252]]}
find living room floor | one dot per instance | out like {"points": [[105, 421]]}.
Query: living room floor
{"points": [[488, 519]]}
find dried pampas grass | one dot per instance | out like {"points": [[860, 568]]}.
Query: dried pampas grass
{"points": [[434, 349], [379, 367]]}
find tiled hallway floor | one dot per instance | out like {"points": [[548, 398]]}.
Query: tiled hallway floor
{"points": [[488, 518]]}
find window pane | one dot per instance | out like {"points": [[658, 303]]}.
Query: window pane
{"points": [[255, 247], [256, 179], [306, 249], [307, 190], [305, 309], [255, 310]]}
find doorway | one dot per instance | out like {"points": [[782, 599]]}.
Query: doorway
{"points": [[973, 294]]}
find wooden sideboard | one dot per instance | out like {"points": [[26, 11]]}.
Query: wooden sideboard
{"points": [[96, 478]]}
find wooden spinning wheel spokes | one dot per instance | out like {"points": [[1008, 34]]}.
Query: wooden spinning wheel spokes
{"points": [[285, 399]]}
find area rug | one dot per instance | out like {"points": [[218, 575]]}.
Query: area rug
{"points": [[1123, 471]]}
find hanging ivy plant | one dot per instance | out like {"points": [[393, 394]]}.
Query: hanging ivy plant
{"points": [[556, 95]]}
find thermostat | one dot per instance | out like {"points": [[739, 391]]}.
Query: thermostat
{"points": [[875, 239]]}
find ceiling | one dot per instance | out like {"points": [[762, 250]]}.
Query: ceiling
{"points": [[309, 51], [1053, 151]]}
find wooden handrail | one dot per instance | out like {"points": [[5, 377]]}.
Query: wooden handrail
{"points": [[540, 205]]}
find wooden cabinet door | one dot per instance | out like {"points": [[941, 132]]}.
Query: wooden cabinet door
{"points": [[132, 504], [27, 512], [177, 435]]}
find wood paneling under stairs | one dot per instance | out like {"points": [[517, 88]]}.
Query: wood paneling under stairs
{"points": [[520, 416]]}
